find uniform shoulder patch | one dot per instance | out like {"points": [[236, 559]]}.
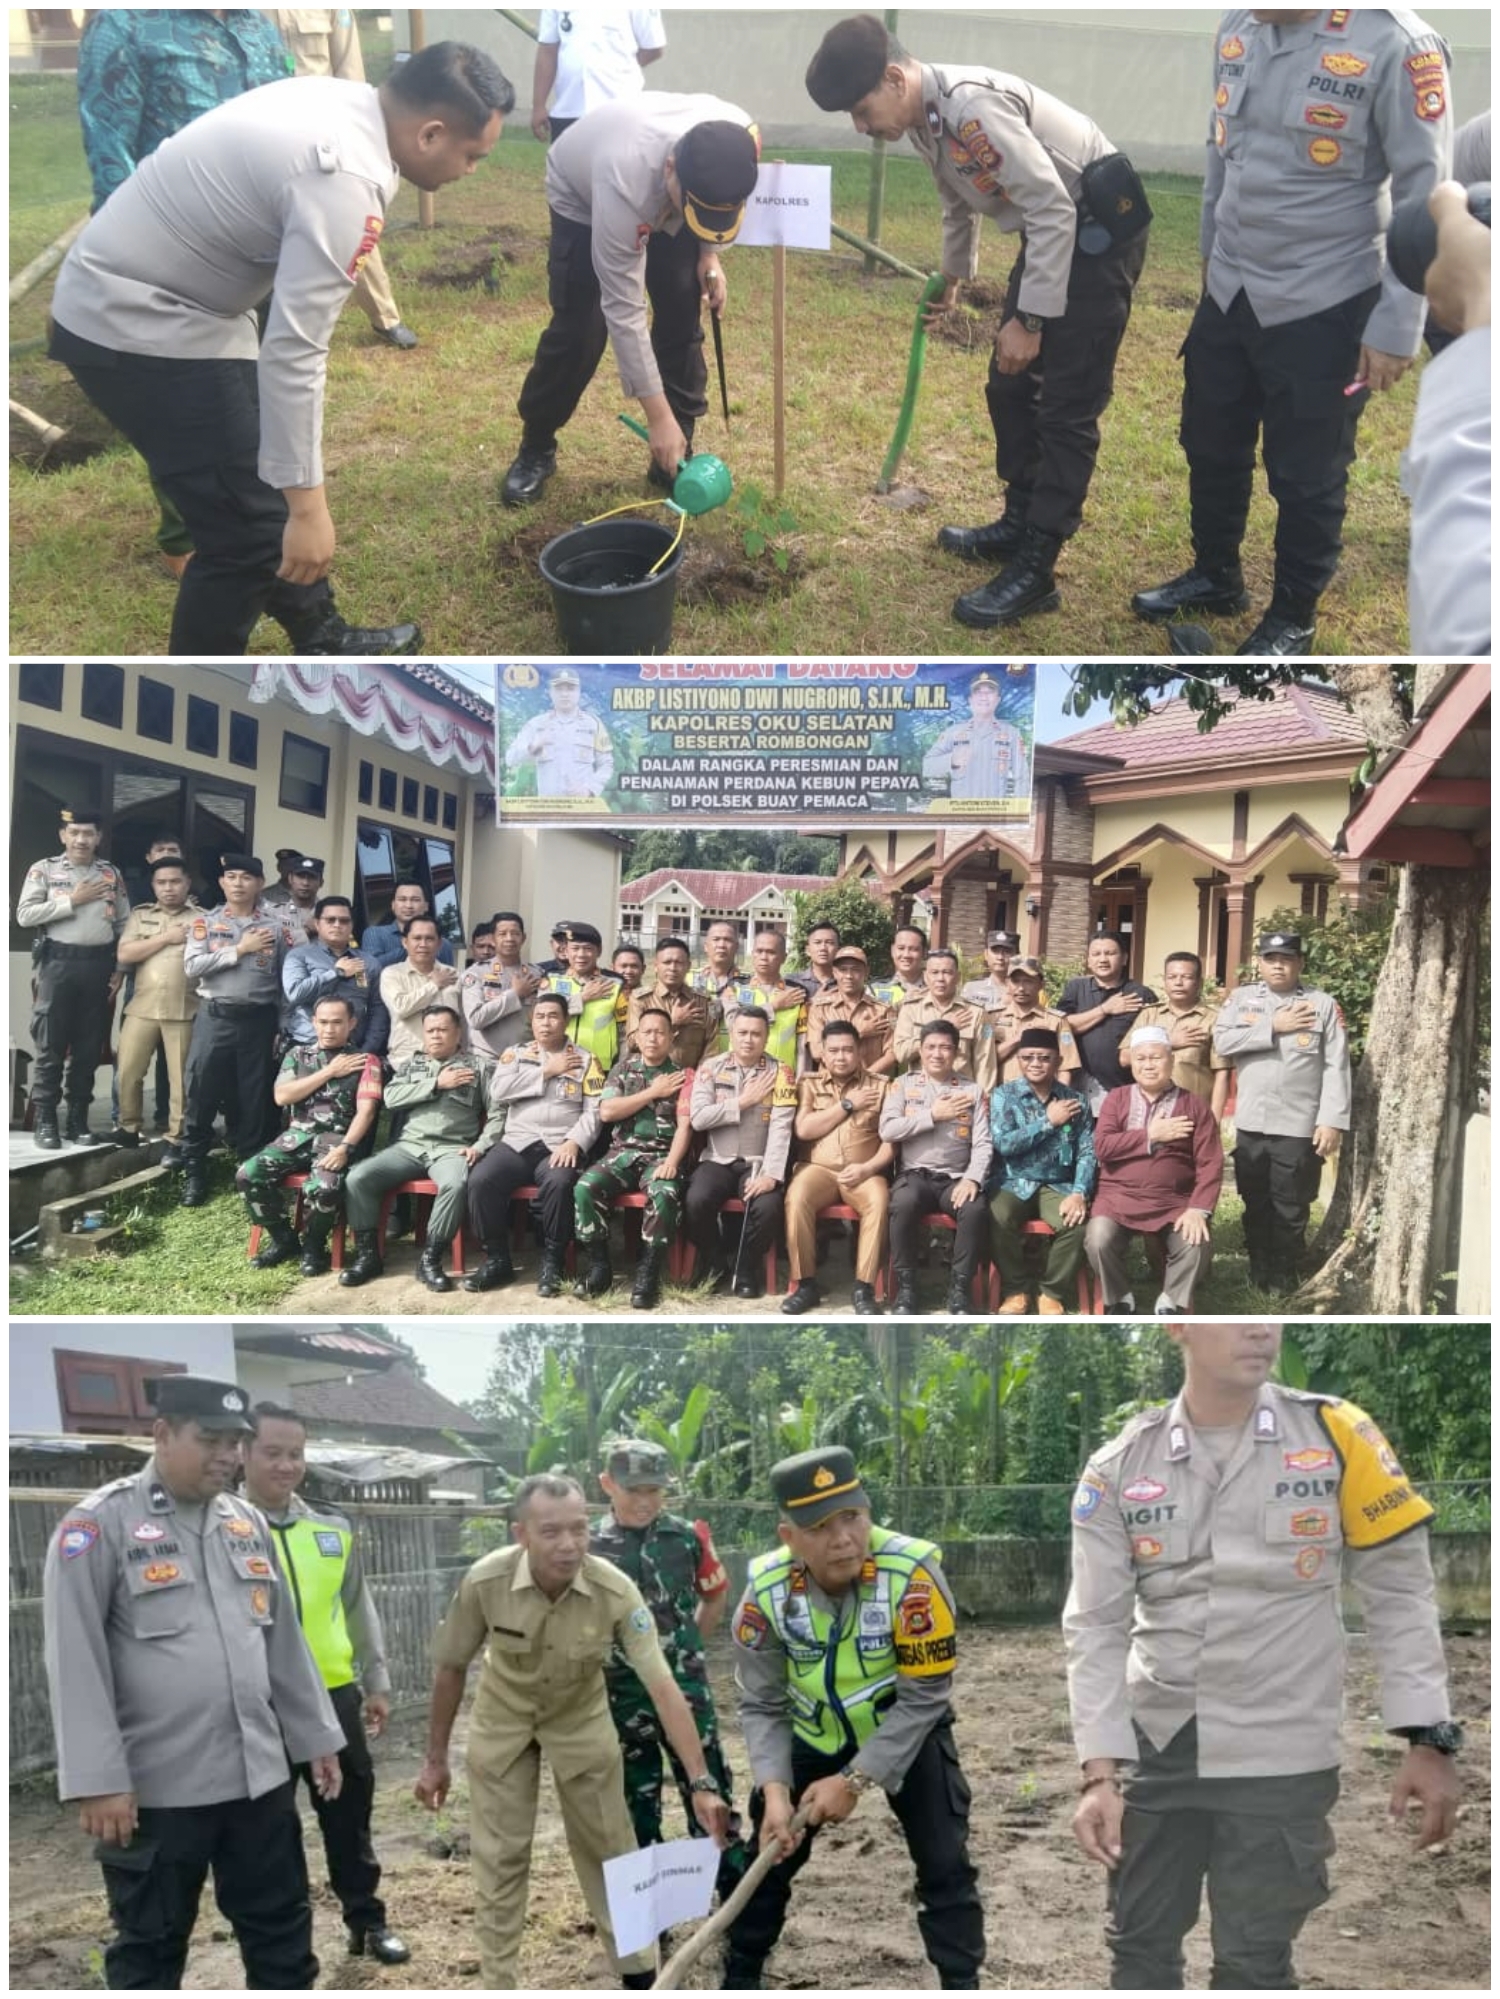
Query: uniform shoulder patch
{"points": [[1376, 1500], [751, 1628], [76, 1536], [641, 1619]]}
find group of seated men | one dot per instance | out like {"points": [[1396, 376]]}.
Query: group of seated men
{"points": [[731, 1091]]}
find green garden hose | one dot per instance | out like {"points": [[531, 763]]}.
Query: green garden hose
{"points": [[931, 290]]}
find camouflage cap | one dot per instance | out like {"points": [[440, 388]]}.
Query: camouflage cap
{"points": [[634, 1463]]}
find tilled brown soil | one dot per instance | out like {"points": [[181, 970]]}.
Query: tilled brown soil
{"points": [[1395, 1921]]}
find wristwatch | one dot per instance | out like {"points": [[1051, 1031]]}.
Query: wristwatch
{"points": [[858, 1781], [846, 1105], [1446, 1737], [1032, 321], [706, 1783]]}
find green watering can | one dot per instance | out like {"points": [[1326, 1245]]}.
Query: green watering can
{"points": [[702, 481]]}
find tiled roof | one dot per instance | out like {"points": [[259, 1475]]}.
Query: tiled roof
{"points": [[1301, 717], [720, 888], [396, 1400], [450, 690]]}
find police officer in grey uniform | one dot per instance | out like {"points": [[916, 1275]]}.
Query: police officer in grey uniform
{"points": [[1292, 1083], [233, 960], [992, 991], [180, 1685], [981, 757], [496, 993], [998, 146], [746, 1103], [447, 1128], [1320, 122], [568, 744], [79, 906], [280, 194], [549, 1091], [939, 1124]]}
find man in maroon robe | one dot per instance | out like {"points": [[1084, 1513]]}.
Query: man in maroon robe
{"points": [[1160, 1164]]}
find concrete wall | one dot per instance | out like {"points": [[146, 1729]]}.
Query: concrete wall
{"points": [[1476, 1222], [203, 1347], [1141, 74]]}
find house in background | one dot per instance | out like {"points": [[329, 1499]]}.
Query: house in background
{"points": [[1175, 839], [683, 902], [398, 1410]]}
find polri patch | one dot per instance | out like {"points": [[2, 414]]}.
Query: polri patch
{"points": [[77, 1537], [1086, 1499], [751, 1628]]}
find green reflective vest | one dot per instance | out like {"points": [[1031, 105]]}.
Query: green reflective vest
{"points": [[314, 1551], [786, 1024], [838, 1691], [599, 1027]]}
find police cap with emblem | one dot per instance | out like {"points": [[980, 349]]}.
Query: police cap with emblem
{"points": [[849, 64], [814, 1484], [566, 677], [213, 1405], [583, 933], [717, 165], [633, 1463], [77, 815], [1287, 941], [241, 864], [300, 864], [1002, 940], [984, 680]]}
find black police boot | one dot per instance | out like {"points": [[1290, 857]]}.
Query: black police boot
{"points": [[497, 1269], [367, 1263], [194, 1186], [280, 1246], [44, 1132], [530, 469], [864, 1301], [904, 1304], [315, 1234], [647, 1286], [430, 1266], [599, 1276], [380, 1943], [551, 1278], [1215, 588], [742, 1974], [1024, 587], [1188, 641], [803, 1296], [118, 1135], [997, 541], [959, 1301], [1286, 631], [637, 1981], [76, 1128], [951, 1982], [322, 633]]}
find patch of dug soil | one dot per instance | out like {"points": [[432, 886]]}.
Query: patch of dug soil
{"points": [[709, 576], [975, 320], [55, 398], [478, 261]]}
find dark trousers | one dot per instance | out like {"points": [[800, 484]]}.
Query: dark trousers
{"points": [[70, 1023], [229, 1067], [933, 1808], [1046, 419], [197, 425], [254, 1847], [714, 1182], [1285, 384], [1277, 1178], [501, 1174], [919, 1192], [344, 1821], [1262, 1846], [573, 344]]}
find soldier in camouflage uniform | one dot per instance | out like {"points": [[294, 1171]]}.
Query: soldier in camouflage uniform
{"points": [[335, 1094], [646, 1101], [674, 1564]]}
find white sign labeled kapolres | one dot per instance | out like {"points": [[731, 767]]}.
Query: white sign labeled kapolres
{"points": [[791, 207], [657, 1888]]}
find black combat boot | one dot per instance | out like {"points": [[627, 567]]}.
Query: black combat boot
{"points": [[315, 1234], [280, 1246], [322, 632], [742, 1974], [497, 1269], [380, 1943], [552, 1277], [600, 1274], [864, 1301], [367, 1263], [44, 1132], [904, 1304], [802, 1297], [430, 1269], [1025, 587], [1287, 631], [194, 1185], [996, 541], [648, 1268], [76, 1128], [530, 469], [958, 1296], [1214, 588]]}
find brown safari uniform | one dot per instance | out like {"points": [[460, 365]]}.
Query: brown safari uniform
{"points": [[1192, 1068], [160, 1014], [872, 1020], [813, 1184], [691, 1035], [1206, 1647], [541, 1687]]}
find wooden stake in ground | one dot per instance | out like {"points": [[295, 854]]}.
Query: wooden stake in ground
{"points": [[426, 203], [682, 1961], [45, 260], [778, 358]]}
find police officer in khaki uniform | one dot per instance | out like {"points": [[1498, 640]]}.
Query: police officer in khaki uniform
{"points": [[324, 41], [448, 1127], [496, 993], [939, 1123], [694, 1015], [1322, 121], [1206, 1656], [159, 1012], [998, 146], [180, 1684], [1000, 946], [939, 1001], [845, 1647], [79, 906], [1292, 1103], [744, 1101], [1189, 1019], [842, 1160], [567, 743], [548, 1615], [1021, 1008], [548, 1091], [233, 958]]}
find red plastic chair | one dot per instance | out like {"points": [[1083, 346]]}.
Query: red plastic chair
{"points": [[423, 1193], [297, 1181], [687, 1254]]}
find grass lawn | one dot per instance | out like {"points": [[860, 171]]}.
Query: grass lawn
{"points": [[417, 442]]}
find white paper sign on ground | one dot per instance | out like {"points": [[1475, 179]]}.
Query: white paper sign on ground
{"points": [[790, 205], [652, 1890]]}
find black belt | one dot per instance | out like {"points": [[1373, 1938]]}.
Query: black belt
{"points": [[55, 950], [232, 1009]]}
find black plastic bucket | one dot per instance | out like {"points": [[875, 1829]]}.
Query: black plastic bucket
{"points": [[606, 602]]}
